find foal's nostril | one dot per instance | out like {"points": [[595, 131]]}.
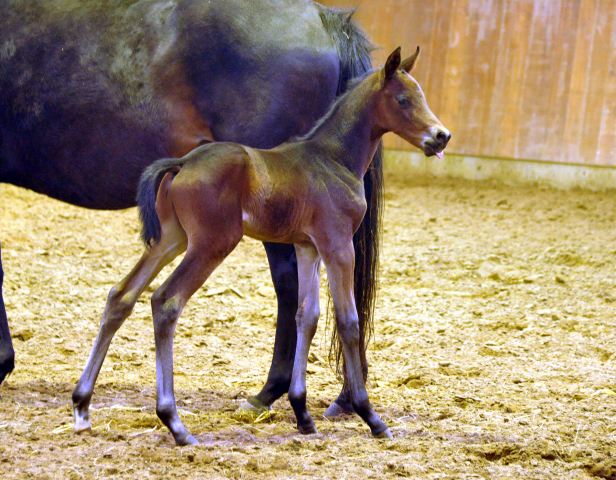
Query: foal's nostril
{"points": [[443, 137]]}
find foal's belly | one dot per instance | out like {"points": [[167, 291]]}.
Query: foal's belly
{"points": [[272, 230]]}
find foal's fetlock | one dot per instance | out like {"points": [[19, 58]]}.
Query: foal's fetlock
{"points": [[305, 423], [340, 407], [167, 413], [81, 404], [186, 440], [385, 434], [379, 429]]}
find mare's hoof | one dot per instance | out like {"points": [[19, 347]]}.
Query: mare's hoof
{"points": [[6, 367], [190, 440], [384, 434], [337, 410], [252, 408]]}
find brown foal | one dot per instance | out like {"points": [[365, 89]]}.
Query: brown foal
{"points": [[308, 192]]}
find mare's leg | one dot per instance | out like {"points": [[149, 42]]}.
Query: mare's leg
{"points": [[283, 267], [120, 303], [339, 261], [308, 266], [202, 257], [7, 353]]}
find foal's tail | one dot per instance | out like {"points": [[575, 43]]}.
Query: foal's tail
{"points": [[354, 50], [146, 197]]}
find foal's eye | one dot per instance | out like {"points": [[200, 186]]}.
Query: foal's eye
{"points": [[403, 102]]}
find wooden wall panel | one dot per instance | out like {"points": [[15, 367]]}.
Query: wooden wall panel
{"points": [[525, 79]]}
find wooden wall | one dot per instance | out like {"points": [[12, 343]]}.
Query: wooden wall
{"points": [[524, 79]]}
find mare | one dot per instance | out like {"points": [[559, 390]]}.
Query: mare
{"points": [[308, 192], [91, 93]]}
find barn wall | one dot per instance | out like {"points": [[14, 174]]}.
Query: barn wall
{"points": [[522, 79]]}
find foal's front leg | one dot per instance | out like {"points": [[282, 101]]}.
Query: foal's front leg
{"points": [[339, 261], [307, 318]]}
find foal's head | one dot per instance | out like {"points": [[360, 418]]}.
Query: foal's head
{"points": [[402, 107]]}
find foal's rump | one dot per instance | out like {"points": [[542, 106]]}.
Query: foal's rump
{"points": [[210, 185]]}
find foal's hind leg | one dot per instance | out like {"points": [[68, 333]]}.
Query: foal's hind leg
{"points": [[120, 303], [339, 262], [167, 304], [308, 266]]}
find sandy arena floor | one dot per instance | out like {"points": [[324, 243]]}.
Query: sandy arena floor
{"points": [[494, 354]]}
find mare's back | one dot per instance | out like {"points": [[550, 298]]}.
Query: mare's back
{"points": [[82, 85]]}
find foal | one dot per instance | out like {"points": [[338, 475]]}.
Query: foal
{"points": [[308, 192]]}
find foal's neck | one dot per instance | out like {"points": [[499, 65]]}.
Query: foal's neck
{"points": [[348, 132]]}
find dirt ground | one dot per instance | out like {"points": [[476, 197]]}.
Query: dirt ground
{"points": [[494, 355]]}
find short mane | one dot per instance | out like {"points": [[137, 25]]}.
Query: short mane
{"points": [[352, 85]]}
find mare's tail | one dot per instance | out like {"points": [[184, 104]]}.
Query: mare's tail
{"points": [[354, 50], [146, 197]]}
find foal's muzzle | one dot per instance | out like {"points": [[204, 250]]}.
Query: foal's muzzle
{"points": [[437, 143]]}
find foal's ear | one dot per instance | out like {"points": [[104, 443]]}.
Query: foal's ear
{"points": [[391, 65], [408, 63]]}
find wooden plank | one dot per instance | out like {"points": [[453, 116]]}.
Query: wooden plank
{"points": [[535, 108], [495, 120], [580, 77], [607, 132], [456, 64], [599, 68], [562, 54]]}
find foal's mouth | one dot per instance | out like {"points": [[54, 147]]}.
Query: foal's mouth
{"points": [[432, 150], [435, 144]]}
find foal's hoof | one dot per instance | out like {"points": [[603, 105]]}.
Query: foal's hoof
{"points": [[82, 423], [252, 408], [190, 440], [384, 434], [307, 430], [337, 410]]}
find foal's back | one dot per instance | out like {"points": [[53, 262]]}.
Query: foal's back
{"points": [[277, 195]]}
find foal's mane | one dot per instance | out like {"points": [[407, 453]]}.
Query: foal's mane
{"points": [[352, 86]]}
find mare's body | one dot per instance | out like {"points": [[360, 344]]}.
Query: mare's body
{"points": [[308, 192], [91, 93]]}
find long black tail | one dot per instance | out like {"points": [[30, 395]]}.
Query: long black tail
{"points": [[354, 50], [146, 198]]}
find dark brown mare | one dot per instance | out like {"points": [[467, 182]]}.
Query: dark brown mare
{"points": [[308, 192], [92, 92]]}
